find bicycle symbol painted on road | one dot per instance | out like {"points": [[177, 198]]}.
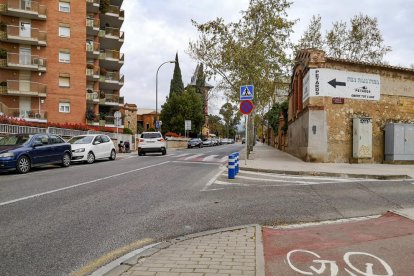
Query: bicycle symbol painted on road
{"points": [[320, 266]]}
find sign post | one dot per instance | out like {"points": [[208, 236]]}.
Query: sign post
{"points": [[187, 126], [246, 107], [117, 116]]}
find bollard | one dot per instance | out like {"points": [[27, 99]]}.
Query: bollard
{"points": [[231, 167], [237, 162]]}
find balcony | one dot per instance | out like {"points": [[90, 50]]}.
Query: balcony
{"points": [[111, 60], [34, 115], [93, 5], [92, 26], [92, 96], [114, 16], [23, 62], [23, 88], [92, 72], [31, 36], [111, 38], [92, 49], [26, 9], [111, 100]]}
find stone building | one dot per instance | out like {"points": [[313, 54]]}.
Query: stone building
{"points": [[146, 118], [330, 98], [130, 117]]}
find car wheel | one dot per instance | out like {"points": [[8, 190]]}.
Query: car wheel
{"points": [[90, 158], [164, 152], [113, 155], [200, 146], [143, 153], [139, 153], [23, 164], [66, 160]]}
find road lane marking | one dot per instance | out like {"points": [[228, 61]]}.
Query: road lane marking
{"points": [[209, 158], [193, 156], [209, 183], [218, 182], [94, 265], [196, 162], [80, 184], [181, 155]]}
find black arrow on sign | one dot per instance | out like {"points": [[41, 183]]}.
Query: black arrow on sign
{"points": [[335, 83]]}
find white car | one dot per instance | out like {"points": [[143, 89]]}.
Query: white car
{"points": [[151, 142], [87, 148]]}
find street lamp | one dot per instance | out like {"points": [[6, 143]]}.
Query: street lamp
{"points": [[156, 90]]}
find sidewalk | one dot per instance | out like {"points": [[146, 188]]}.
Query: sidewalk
{"points": [[268, 159], [244, 251]]}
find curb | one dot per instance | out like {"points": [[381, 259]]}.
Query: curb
{"points": [[156, 247], [343, 175]]}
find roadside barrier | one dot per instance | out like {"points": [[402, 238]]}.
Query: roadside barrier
{"points": [[237, 162], [232, 166]]}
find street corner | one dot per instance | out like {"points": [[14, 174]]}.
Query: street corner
{"points": [[376, 246]]}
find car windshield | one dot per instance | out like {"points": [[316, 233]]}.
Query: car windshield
{"points": [[194, 140], [15, 140], [151, 135], [81, 140]]}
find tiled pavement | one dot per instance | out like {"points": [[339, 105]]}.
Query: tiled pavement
{"points": [[231, 252]]}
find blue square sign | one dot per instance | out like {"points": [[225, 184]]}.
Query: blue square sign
{"points": [[246, 92]]}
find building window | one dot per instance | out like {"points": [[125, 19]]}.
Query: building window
{"points": [[64, 31], [64, 81], [64, 107], [64, 56], [64, 6]]}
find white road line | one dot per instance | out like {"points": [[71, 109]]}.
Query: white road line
{"points": [[218, 182], [193, 156], [273, 180], [80, 184], [181, 155], [224, 159], [196, 162], [307, 177], [213, 179], [210, 157]]}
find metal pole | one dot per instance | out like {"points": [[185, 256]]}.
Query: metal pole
{"points": [[156, 91], [247, 141]]}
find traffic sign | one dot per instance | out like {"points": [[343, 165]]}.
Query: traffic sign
{"points": [[246, 107], [157, 124], [246, 92], [117, 114]]}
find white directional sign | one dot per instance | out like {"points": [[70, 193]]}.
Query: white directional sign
{"points": [[187, 125], [246, 92], [342, 84]]}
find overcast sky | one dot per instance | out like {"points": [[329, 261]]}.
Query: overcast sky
{"points": [[156, 29]]}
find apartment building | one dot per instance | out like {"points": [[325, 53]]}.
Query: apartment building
{"points": [[60, 60]]}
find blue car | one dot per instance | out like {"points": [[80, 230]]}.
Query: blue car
{"points": [[21, 152]]}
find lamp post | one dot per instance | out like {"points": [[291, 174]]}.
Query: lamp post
{"points": [[156, 90]]}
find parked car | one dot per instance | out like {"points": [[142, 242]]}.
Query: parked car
{"points": [[151, 142], [90, 147], [225, 141], [207, 142], [22, 152], [195, 142], [243, 141]]}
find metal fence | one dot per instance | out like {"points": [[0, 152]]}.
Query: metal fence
{"points": [[13, 129]]}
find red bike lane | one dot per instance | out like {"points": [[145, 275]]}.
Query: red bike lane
{"points": [[374, 247]]}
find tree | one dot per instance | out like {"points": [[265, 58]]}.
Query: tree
{"points": [[215, 125], [250, 51], [231, 118], [273, 116], [177, 85], [312, 37], [361, 41], [181, 107]]}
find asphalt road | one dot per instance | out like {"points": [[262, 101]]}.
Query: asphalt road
{"points": [[56, 221]]}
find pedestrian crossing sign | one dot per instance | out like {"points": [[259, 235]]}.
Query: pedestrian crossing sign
{"points": [[246, 92]]}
